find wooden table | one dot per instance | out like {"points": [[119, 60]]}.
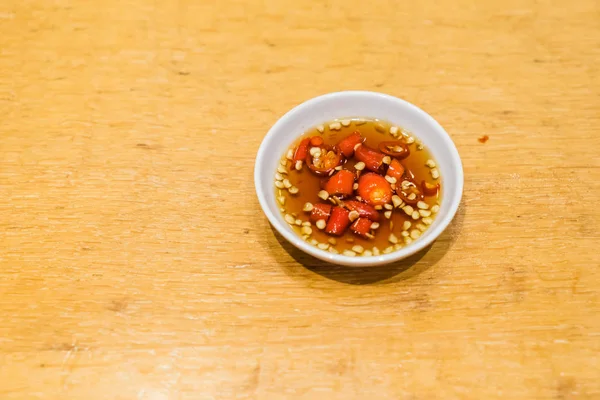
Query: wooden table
{"points": [[135, 261]]}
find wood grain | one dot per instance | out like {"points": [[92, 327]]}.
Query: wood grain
{"points": [[135, 262]]}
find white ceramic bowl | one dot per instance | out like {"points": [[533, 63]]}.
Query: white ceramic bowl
{"points": [[359, 104]]}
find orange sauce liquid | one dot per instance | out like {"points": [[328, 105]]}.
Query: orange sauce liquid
{"points": [[309, 186]]}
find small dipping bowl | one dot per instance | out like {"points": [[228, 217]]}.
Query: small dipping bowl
{"points": [[359, 104]]}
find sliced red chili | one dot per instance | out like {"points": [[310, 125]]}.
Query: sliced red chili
{"points": [[338, 221], [372, 158], [347, 144], [413, 201], [406, 194], [430, 189], [374, 189], [323, 163], [320, 211], [341, 183], [361, 227], [316, 141], [302, 150], [396, 170], [363, 210], [395, 148]]}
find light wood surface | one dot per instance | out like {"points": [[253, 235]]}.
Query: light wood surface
{"points": [[135, 261]]}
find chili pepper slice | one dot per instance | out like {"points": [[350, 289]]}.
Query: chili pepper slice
{"points": [[396, 170], [395, 148], [404, 197], [302, 150], [429, 189], [325, 162], [372, 158], [405, 192], [363, 210], [361, 227], [338, 221], [341, 183], [346, 145], [320, 211], [374, 189]]}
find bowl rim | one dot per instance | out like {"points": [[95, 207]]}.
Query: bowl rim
{"points": [[361, 261]]}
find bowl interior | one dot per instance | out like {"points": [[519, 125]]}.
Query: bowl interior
{"points": [[368, 105]]}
